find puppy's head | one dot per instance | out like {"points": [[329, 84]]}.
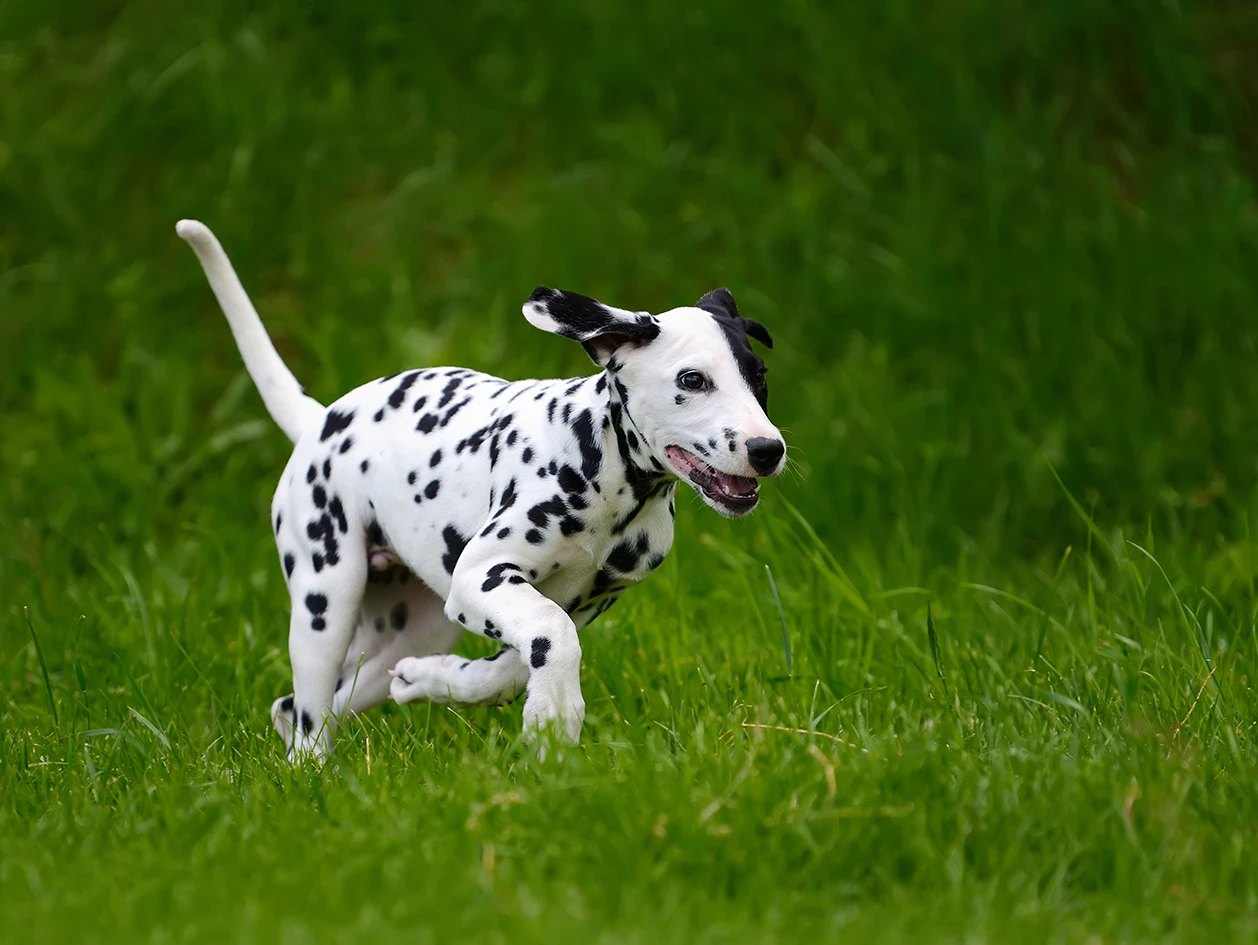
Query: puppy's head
{"points": [[690, 382]]}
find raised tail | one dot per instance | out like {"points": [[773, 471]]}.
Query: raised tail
{"points": [[285, 401]]}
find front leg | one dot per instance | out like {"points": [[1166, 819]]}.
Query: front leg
{"points": [[491, 594]]}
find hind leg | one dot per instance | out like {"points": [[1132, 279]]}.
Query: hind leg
{"points": [[400, 617], [322, 625], [456, 680]]}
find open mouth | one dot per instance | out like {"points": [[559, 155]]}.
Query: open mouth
{"points": [[735, 494]]}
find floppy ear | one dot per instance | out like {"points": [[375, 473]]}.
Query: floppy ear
{"points": [[600, 328], [720, 302]]}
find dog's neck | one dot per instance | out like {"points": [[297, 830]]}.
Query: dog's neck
{"points": [[626, 456]]}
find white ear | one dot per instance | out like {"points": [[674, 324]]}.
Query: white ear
{"points": [[600, 328]]}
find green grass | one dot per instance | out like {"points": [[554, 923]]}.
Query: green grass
{"points": [[1007, 252]]}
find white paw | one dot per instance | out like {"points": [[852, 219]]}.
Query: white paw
{"points": [[308, 750], [545, 711], [423, 678]]}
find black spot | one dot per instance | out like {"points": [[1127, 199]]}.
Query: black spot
{"points": [[320, 496], [279, 520], [493, 452], [311, 473], [550, 409], [541, 646], [286, 704], [426, 423], [338, 512], [363, 465], [540, 514], [569, 525], [455, 409], [570, 480], [316, 560], [533, 536], [410, 477], [601, 384], [655, 561], [347, 444], [335, 423], [419, 404], [289, 563], [455, 543], [418, 498], [503, 533], [624, 557], [340, 682], [447, 394], [679, 399], [375, 534], [632, 438], [591, 456], [464, 664], [399, 393], [508, 498], [397, 615], [527, 455], [316, 603], [321, 530], [434, 460], [327, 468], [511, 437], [522, 391], [307, 723], [567, 412], [700, 449], [711, 444], [378, 415], [496, 575], [431, 489]]}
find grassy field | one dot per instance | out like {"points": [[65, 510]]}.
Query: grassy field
{"points": [[1008, 254]]}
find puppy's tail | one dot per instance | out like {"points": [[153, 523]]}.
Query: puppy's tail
{"points": [[285, 400]]}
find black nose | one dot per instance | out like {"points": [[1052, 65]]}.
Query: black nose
{"points": [[764, 453]]}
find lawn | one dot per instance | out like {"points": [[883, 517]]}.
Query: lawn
{"points": [[981, 667]]}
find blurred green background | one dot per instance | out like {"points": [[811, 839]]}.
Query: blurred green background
{"points": [[996, 244]]}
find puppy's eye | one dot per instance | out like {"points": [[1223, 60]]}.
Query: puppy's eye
{"points": [[692, 380]]}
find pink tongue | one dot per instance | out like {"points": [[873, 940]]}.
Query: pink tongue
{"points": [[735, 485]]}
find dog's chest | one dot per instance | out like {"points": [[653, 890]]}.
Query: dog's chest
{"points": [[605, 566]]}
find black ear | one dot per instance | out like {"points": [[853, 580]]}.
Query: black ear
{"points": [[755, 330], [600, 328], [720, 302]]}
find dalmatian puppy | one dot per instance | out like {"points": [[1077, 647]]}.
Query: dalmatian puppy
{"points": [[442, 501]]}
